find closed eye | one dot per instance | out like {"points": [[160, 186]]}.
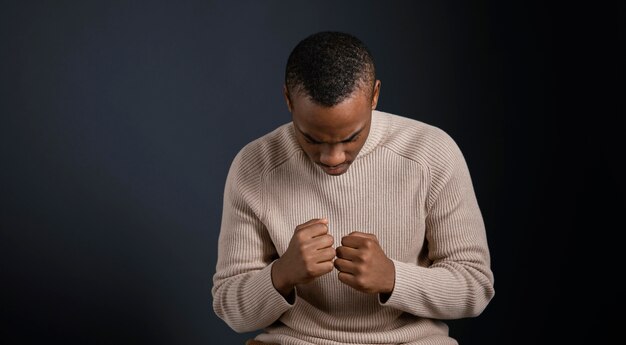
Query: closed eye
{"points": [[311, 140], [352, 138]]}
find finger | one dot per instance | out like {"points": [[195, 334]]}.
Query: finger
{"points": [[348, 253], [325, 267], [355, 241], [345, 266], [314, 230], [304, 234], [347, 278], [364, 235], [311, 222], [326, 254], [323, 241]]}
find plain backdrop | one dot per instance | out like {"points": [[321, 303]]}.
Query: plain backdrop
{"points": [[119, 120]]}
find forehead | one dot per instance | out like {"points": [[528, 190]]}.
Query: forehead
{"points": [[331, 123]]}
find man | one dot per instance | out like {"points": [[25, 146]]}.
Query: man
{"points": [[348, 225]]}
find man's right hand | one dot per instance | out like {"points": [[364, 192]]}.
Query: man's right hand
{"points": [[310, 254]]}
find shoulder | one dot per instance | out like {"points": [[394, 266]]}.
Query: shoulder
{"points": [[265, 153], [421, 142], [429, 146]]}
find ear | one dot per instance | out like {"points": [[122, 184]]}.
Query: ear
{"points": [[287, 99], [375, 94]]}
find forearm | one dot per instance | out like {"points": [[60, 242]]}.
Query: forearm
{"points": [[443, 291], [248, 301]]}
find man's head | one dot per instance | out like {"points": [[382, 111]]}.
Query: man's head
{"points": [[331, 90]]}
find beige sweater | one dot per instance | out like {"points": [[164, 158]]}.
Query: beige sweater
{"points": [[409, 185]]}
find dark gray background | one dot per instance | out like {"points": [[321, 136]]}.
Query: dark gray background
{"points": [[119, 121]]}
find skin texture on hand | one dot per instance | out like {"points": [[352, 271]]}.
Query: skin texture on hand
{"points": [[363, 265], [310, 255]]}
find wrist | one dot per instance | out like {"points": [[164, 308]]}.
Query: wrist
{"points": [[391, 278], [280, 281]]}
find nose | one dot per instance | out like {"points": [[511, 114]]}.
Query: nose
{"points": [[332, 155]]}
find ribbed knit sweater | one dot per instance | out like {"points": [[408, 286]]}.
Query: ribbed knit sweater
{"points": [[409, 185]]}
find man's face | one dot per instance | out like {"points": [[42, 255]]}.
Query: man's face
{"points": [[333, 136]]}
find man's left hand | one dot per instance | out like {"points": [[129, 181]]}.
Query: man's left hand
{"points": [[363, 265]]}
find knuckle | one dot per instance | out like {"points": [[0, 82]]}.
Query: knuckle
{"points": [[328, 255], [298, 236], [331, 240], [360, 282], [302, 226], [368, 243], [361, 257], [319, 226]]}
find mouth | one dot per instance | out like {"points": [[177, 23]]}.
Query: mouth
{"points": [[335, 170]]}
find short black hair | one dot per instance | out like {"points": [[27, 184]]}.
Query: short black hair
{"points": [[329, 66]]}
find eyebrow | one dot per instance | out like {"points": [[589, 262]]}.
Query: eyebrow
{"points": [[310, 138]]}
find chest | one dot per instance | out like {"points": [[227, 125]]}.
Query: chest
{"points": [[388, 202]]}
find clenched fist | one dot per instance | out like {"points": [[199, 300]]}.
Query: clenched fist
{"points": [[310, 254], [363, 265]]}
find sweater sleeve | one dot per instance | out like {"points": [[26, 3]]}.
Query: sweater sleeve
{"points": [[457, 281], [243, 293]]}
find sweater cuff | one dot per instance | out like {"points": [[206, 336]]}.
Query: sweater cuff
{"points": [[405, 287], [276, 303]]}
